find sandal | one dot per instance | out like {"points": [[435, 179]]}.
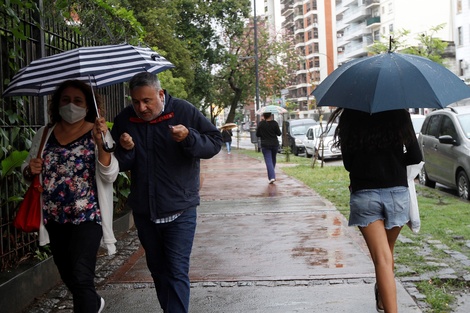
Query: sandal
{"points": [[379, 308]]}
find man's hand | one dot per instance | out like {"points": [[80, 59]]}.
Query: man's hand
{"points": [[178, 132], [126, 141]]}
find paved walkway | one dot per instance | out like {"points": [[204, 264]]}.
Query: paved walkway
{"points": [[259, 248]]}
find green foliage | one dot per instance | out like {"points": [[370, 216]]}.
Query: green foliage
{"points": [[104, 21], [42, 253], [429, 46]]}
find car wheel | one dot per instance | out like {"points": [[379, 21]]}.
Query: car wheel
{"points": [[424, 179], [462, 185], [295, 151]]}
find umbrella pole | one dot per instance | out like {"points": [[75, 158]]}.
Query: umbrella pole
{"points": [[105, 143]]}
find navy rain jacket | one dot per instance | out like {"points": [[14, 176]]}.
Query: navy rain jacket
{"points": [[165, 173]]}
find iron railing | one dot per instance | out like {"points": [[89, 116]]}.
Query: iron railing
{"points": [[21, 116]]}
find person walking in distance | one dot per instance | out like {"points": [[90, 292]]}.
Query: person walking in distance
{"points": [[227, 138], [268, 130], [161, 140], [376, 150]]}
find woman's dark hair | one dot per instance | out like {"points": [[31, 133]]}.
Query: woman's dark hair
{"points": [[85, 88], [359, 130]]}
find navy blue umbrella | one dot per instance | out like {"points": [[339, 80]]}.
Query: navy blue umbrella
{"points": [[390, 81]]}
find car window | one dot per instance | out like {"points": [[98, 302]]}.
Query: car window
{"points": [[447, 128], [331, 130], [299, 130], [432, 128], [464, 121]]}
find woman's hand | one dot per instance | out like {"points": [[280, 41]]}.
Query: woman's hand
{"points": [[35, 166], [99, 127]]}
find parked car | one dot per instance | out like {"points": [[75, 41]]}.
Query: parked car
{"points": [[313, 141], [445, 144], [296, 130]]}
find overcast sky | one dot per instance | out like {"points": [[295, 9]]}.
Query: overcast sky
{"points": [[259, 7]]}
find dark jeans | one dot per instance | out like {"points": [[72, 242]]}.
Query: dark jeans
{"points": [[270, 154], [74, 248], [167, 249]]}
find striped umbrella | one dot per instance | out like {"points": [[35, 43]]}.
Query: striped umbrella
{"points": [[102, 65]]}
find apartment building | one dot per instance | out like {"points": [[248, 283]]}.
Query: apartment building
{"points": [[361, 22], [461, 29], [312, 25]]}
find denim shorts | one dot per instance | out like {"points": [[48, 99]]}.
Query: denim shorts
{"points": [[392, 205]]}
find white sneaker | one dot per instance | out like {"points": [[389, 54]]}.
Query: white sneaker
{"points": [[272, 181], [101, 306]]}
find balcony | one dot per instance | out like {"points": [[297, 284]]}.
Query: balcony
{"points": [[372, 3], [373, 21]]}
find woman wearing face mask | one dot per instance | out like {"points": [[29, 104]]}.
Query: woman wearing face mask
{"points": [[77, 176]]}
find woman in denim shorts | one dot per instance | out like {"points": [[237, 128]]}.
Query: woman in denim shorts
{"points": [[376, 149]]}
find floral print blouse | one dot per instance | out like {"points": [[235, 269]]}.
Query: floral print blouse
{"points": [[70, 192]]}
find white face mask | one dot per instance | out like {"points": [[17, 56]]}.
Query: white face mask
{"points": [[72, 113]]}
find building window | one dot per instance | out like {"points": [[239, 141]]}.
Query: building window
{"points": [[376, 35], [459, 36], [315, 33], [315, 47], [316, 61], [390, 8], [390, 28], [459, 6]]}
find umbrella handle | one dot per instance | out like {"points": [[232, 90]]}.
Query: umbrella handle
{"points": [[106, 147]]}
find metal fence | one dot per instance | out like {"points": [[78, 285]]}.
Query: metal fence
{"points": [[21, 116]]}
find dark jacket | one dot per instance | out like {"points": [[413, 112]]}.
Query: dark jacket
{"points": [[268, 132], [227, 135], [165, 173]]}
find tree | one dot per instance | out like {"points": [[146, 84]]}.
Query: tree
{"points": [[429, 46], [187, 32], [237, 77]]}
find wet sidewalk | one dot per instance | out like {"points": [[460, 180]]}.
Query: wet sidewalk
{"points": [[263, 248]]}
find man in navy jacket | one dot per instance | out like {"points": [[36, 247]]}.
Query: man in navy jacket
{"points": [[161, 140]]}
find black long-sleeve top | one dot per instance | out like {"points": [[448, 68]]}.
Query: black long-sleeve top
{"points": [[380, 168], [268, 132]]}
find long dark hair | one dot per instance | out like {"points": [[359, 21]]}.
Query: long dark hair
{"points": [[85, 88], [359, 130]]}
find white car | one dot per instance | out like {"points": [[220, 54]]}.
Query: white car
{"points": [[313, 141]]}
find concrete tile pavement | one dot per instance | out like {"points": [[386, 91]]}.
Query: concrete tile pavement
{"points": [[258, 248], [262, 248]]}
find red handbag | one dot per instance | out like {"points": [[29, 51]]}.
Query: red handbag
{"points": [[28, 217]]}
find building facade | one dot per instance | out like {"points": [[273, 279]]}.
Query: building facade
{"points": [[312, 25]]}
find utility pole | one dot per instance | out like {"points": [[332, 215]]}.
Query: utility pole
{"points": [[255, 28]]}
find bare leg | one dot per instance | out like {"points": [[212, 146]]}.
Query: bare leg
{"points": [[381, 243]]}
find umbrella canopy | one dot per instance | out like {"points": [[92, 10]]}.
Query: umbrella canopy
{"points": [[390, 81], [102, 65], [271, 109], [229, 126]]}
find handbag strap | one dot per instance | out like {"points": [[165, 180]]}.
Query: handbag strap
{"points": [[43, 140]]}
